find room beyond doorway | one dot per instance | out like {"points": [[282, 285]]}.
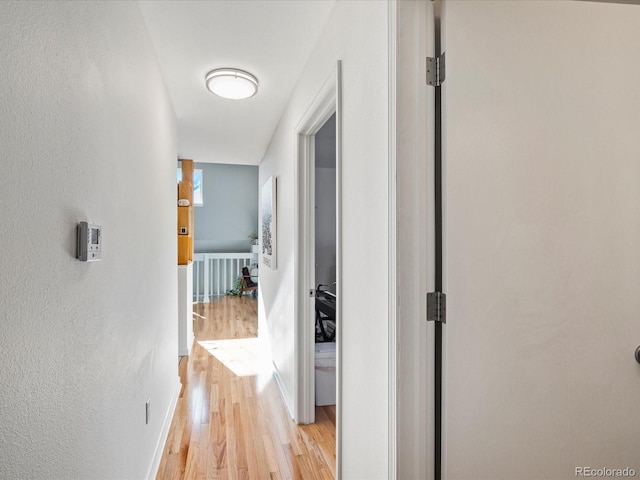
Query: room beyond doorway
{"points": [[325, 240], [326, 104]]}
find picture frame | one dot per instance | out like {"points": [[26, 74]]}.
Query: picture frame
{"points": [[268, 223]]}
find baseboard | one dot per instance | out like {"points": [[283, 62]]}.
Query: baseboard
{"points": [[162, 440], [282, 390]]}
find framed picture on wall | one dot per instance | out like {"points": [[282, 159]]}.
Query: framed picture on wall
{"points": [[268, 230]]}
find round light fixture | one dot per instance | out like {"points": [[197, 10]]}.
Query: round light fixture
{"points": [[231, 83]]}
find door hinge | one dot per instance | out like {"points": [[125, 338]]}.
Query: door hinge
{"points": [[435, 70], [436, 307]]}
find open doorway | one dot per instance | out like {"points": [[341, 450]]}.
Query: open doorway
{"points": [[318, 259], [325, 242]]}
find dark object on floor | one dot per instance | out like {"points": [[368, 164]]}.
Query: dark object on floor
{"points": [[247, 284]]}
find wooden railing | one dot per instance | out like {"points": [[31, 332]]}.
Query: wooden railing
{"points": [[216, 273]]}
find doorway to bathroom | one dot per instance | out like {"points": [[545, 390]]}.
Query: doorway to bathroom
{"points": [[325, 264], [318, 261]]}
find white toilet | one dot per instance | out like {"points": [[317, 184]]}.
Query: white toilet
{"points": [[325, 369]]}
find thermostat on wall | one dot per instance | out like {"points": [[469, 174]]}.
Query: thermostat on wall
{"points": [[89, 242]]}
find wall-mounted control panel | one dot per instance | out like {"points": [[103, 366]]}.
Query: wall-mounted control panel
{"points": [[89, 242]]}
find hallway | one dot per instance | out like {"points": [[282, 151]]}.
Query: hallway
{"points": [[230, 421]]}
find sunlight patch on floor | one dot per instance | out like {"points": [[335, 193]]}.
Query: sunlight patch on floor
{"points": [[243, 356]]}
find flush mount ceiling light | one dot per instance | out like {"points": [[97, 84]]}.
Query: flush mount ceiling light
{"points": [[231, 83]]}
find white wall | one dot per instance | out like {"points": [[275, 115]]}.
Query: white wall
{"points": [[325, 204], [357, 34], [87, 133], [325, 193]]}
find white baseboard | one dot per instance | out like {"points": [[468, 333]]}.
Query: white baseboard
{"points": [[162, 440], [283, 392]]}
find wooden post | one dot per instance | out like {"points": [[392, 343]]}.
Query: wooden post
{"points": [[185, 214]]}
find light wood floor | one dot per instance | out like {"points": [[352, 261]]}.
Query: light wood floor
{"points": [[230, 421]]}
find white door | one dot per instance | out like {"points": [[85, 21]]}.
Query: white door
{"points": [[542, 237]]}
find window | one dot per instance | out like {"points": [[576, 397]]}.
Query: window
{"points": [[198, 198]]}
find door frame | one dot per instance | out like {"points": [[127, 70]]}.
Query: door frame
{"points": [[326, 103]]}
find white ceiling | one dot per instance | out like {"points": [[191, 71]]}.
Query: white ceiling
{"points": [[270, 38]]}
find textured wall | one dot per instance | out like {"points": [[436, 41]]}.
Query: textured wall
{"points": [[87, 133], [230, 211]]}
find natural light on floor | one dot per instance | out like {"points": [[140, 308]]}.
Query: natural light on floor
{"points": [[243, 356]]}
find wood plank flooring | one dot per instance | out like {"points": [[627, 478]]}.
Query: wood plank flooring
{"points": [[230, 422]]}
